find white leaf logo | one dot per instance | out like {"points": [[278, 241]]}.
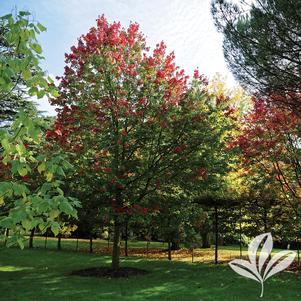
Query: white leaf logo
{"points": [[254, 269]]}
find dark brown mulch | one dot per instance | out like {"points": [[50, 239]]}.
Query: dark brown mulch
{"points": [[109, 272]]}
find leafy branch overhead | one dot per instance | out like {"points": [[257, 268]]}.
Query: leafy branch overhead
{"points": [[30, 193]]}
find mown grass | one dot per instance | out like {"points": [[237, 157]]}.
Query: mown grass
{"points": [[83, 244], [43, 275]]}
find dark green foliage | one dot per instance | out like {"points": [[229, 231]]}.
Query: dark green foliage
{"points": [[262, 45]]}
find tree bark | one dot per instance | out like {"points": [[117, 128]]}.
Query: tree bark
{"points": [[126, 238], [116, 244], [216, 235], [30, 242], [45, 244], [175, 245], [298, 257], [109, 233], [76, 247], [91, 244], [240, 232], [6, 236], [205, 239], [147, 248], [169, 250], [59, 245]]}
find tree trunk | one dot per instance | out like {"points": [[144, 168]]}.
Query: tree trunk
{"points": [[91, 244], [205, 239], [59, 245], [76, 247], [126, 239], [240, 233], [116, 244], [109, 233], [298, 257], [265, 220], [216, 235], [45, 244], [6, 236], [169, 250], [175, 245], [30, 242], [147, 248]]}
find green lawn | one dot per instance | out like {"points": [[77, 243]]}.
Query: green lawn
{"points": [[42, 275]]}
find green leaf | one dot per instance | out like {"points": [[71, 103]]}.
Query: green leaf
{"points": [[49, 176], [6, 222], [50, 80], [20, 243], [41, 27], [55, 228], [27, 224], [66, 207], [6, 17], [24, 13], [5, 144], [54, 213], [20, 149], [54, 92], [60, 171], [36, 47], [41, 167], [22, 171], [26, 74]]}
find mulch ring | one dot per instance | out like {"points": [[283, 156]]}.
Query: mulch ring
{"points": [[294, 267], [106, 272]]}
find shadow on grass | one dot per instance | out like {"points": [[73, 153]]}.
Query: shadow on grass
{"points": [[43, 275]]}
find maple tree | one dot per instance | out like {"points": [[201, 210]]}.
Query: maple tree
{"points": [[269, 141], [128, 115]]}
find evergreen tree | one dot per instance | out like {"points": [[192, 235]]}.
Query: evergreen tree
{"points": [[262, 46]]}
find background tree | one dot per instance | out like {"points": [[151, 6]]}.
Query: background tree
{"points": [[262, 46]]}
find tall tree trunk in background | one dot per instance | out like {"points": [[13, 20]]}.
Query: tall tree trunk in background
{"points": [[216, 235], [298, 255], [240, 232], [116, 244], [205, 239], [45, 244], [147, 248], [91, 244], [30, 242], [175, 245], [126, 238], [6, 236], [76, 247], [59, 238], [169, 249], [265, 220], [109, 233]]}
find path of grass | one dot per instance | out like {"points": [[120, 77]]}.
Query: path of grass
{"points": [[42, 275]]}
